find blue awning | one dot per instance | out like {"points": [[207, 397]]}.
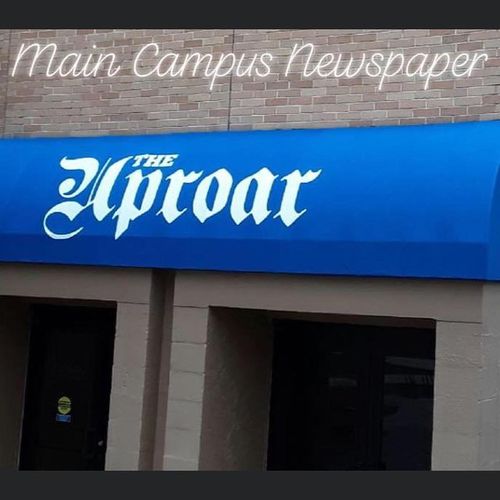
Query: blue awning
{"points": [[412, 201]]}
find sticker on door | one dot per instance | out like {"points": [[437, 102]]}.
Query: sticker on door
{"points": [[63, 409]]}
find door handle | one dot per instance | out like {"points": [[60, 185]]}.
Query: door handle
{"points": [[91, 444]]}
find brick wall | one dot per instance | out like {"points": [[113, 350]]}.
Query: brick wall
{"points": [[4, 62], [127, 104]]}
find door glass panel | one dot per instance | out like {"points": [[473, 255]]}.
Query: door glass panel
{"points": [[408, 404], [335, 404], [350, 397], [68, 387]]}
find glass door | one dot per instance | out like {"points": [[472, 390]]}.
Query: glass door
{"points": [[348, 397]]}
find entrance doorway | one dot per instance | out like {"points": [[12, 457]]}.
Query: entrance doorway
{"points": [[351, 397], [68, 388]]}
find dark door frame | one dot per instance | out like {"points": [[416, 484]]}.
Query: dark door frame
{"points": [[87, 320]]}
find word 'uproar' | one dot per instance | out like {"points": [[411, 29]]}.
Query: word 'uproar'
{"points": [[143, 187]]}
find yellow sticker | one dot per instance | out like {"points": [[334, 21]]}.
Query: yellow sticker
{"points": [[64, 405]]}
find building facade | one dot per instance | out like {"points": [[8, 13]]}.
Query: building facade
{"points": [[253, 364]]}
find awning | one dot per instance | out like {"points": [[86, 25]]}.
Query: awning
{"points": [[410, 201]]}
